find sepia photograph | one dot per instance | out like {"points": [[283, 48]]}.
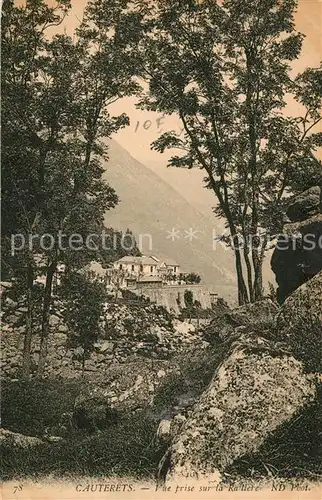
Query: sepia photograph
{"points": [[161, 249]]}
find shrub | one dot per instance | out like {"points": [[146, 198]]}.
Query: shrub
{"points": [[306, 344], [220, 307], [167, 393]]}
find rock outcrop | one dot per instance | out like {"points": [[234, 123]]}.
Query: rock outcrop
{"points": [[305, 205], [9, 438], [300, 323], [93, 413], [268, 376], [123, 387], [254, 391], [298, 253]]}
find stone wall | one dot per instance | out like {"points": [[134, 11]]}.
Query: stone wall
{"points": [[171, 297], [132, 330]]}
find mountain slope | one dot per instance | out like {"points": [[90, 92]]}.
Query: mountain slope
{"points": [[150, 206], [189, 183]]}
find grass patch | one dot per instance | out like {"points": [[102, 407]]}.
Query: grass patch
{"points": [[128, 449], [31, 407]]}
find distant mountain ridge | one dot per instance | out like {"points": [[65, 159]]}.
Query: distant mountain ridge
{"points": [[172, 226]]}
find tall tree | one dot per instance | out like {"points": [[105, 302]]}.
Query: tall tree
{"points": [[224, 69], [24, 147], [56, 94]]}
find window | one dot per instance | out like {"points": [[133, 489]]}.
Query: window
{"points": [[141, 267], [121, 266], [132, 267], [151, 269]]}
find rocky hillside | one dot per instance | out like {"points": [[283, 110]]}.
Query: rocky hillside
{"points": [[269, 377], [240, 398], [128, 329]]}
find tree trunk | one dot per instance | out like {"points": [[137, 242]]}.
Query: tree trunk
{"points": [[223, 199], [249, 276], [242, 290], [258, 279], [248, 267], [255, 243], [241, 287], [258, 289], [45, 319], [259, 274], [252, 100], [26, 356], [257, 265]]}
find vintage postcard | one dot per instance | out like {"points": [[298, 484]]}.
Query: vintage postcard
{"points": [[161, 270]]}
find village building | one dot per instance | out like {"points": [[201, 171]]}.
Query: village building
{"points": [[137, 269]]}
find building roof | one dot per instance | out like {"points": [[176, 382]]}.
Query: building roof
{"points": [[146, 261], [129, 259], [154, 258], [149, 261], [171, 262]]}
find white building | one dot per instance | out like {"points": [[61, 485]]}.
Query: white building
{"points": [[170, 267], [144, 266]]}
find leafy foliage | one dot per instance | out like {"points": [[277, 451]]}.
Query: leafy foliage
{"points": [[188, 298], [84, 296], [224, 70]]}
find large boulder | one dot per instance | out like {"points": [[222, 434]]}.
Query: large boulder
{"points": [[305, 205], [14, 439], [122, 389], [253, 392], [298, 253], [300, 323]]}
